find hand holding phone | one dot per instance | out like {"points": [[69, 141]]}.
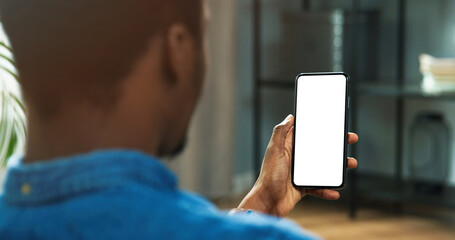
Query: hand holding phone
{"points": [[273, 192]]}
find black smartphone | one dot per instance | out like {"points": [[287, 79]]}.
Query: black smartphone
{"points": [[320, 130]]}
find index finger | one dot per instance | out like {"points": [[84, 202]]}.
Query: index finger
{"points": [[352, 138], [280, 131]]}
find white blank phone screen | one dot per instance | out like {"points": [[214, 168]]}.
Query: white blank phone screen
{"points": [[320, 130]]}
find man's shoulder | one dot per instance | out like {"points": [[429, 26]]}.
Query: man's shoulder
{"points": [[136, 212]]}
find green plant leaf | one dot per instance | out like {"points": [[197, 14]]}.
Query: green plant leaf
{"points": [[12, 112], [11, 147], [10, 72], [5, 46], [8, 59]]}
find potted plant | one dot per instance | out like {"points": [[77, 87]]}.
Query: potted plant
{"points": [[12, 111]]}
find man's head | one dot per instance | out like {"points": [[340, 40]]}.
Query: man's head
{"points": [[112, 59]]}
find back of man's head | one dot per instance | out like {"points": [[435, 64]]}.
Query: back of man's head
{"points": [[82, 49]]}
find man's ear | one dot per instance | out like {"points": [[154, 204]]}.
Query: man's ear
{"points": [[178, 54]]}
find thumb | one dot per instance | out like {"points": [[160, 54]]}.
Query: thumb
{"points": [[280, 131]]}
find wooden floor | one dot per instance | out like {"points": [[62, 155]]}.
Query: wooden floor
{"points": [[331, 222]]}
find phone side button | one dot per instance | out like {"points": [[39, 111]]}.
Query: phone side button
{"points": [[349, 102]]}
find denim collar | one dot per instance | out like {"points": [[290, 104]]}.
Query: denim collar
{"points": [[61, 178]]}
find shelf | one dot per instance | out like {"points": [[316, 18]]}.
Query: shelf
{"points": [[370, 89], [392, 90], [386, 189], [275, 83]]}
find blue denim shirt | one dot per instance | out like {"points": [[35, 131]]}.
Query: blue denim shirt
{"points": [[118, 195]]}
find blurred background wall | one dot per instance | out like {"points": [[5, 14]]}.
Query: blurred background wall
{"points": [[206, 166]]}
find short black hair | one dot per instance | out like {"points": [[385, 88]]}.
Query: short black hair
{"points": [[83, 48]]}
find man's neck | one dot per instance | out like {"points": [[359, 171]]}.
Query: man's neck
{"points": [[82, 131]]}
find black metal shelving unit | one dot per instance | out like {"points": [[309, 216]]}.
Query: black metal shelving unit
{"points": [[397, 190]]}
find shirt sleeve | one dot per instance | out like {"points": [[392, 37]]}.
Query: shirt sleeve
{"points": [[261, 226]]}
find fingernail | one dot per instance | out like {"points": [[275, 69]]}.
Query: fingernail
{"points": [[288, 117]]}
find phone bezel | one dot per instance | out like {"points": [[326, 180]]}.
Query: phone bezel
{"points": [[345, 128]]}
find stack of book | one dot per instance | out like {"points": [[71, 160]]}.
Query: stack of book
{"points": [[438, 74]]}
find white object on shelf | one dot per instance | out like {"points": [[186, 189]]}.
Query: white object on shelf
{"points": [[438, 74]]}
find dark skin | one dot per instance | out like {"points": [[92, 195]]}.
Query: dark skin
{"points": [[152, 115]]}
